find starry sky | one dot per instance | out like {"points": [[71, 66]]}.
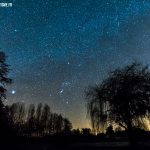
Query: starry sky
{"points": [[57, 48]]}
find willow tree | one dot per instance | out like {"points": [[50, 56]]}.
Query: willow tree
{"points": [[123, 98]]}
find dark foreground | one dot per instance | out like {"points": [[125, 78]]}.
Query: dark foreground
{"points": [[79, 146], [49, 144]]}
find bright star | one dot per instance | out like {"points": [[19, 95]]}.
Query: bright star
{"points": [[13, 91]]}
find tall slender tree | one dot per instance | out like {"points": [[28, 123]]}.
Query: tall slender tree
{"points": [[4, 81], [67, 126], [38, 119], [45, 118]]}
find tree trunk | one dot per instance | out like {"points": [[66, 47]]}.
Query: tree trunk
{"points": [[130, 133]]}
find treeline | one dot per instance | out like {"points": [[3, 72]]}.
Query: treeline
{"points": [[37, 120]]}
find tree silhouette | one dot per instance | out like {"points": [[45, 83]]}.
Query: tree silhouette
{"points": [[4, 80], [110, 131], [59, 124], [86, 131], [38, 119], [123, 98], [67, 126], [45, 118], [31, 120], [17, 114]]}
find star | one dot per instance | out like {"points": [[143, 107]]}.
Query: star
{"points": [[66, 84], [13, 91], [15, 30], [61, 91]]}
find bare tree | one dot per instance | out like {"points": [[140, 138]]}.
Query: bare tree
{"points": [[45, 118], [38, 119], [31, 119], [67, 126], [58, 124], [17, 113]]}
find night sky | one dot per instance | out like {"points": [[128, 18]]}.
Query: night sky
{"points": [[57, 48]]}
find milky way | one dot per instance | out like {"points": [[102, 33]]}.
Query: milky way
{"points": [[57, 48]]}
